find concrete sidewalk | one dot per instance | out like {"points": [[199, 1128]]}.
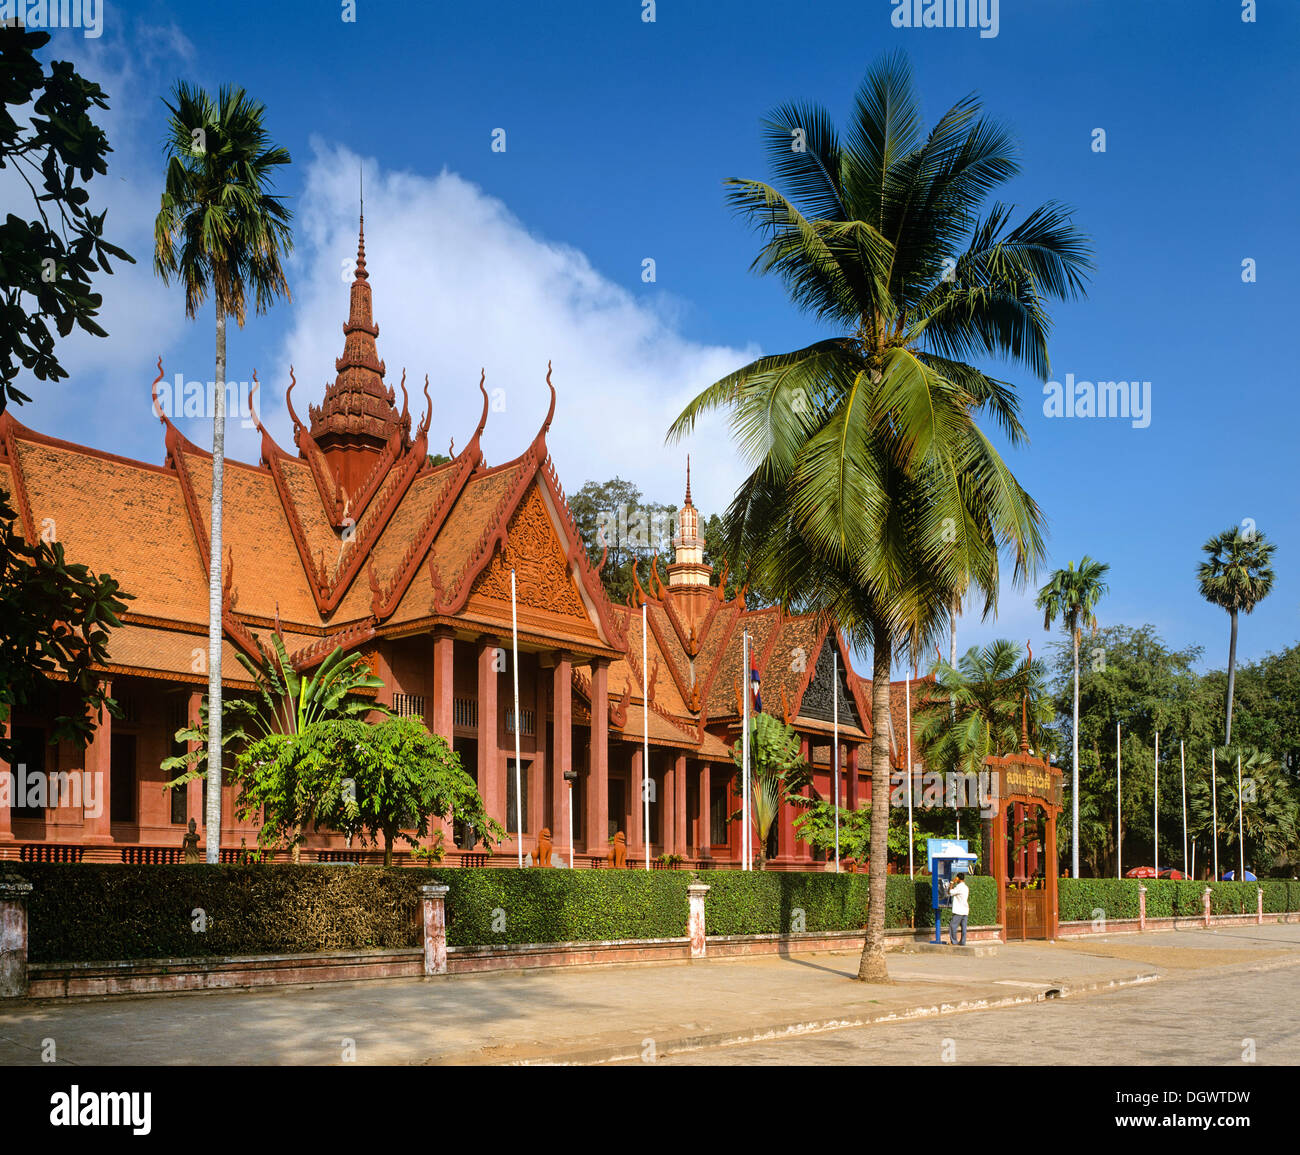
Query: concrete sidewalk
{"points": [[607, 1014]]}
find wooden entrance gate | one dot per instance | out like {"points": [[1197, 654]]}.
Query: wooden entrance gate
{"points": [[1026, 916]]}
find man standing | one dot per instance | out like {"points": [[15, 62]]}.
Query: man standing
{"points": [[959, 892]]}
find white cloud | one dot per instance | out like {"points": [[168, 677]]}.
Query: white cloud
{"points": [[459, 284]]}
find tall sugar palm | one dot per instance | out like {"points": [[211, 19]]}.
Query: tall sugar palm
{"points": [[1072, 595], [219, 229], [873, 494], [1236, 576]]}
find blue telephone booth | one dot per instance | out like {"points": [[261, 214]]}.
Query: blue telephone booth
{"points": [[946, 857]]}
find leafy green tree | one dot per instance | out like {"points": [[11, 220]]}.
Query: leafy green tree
{"points": [[1236, 576], [360, 779], [55, 149], [1270, 813], [1266, 713], [874, 496], [1072, 596], [282, 702], [54, 623], [1132, 678], [777, 770], [621, 528], [220, 229]]}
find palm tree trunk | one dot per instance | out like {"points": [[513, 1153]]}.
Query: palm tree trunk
{"points": [[871, 967], [213, 816], [1074, 737], [1232, 676]]}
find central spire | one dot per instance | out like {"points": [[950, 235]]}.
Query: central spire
{"points": [[357, 417], [358, 407]]}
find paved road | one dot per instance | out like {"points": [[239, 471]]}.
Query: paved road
{"points": [[1207, 1019]]}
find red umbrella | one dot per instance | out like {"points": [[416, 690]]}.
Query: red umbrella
{"points": [[1141, 872], [1172, 874]]}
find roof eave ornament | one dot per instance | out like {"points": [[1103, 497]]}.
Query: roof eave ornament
{"points": [[298, 427]]}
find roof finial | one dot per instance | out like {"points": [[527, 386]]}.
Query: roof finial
{"points": [[688, 479], [361, 274]]}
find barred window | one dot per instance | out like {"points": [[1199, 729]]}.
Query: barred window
{"points": [[464, 712], [529, 718], [408, 705]]}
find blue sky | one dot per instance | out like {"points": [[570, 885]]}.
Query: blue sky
{"points": [[619, 134]]}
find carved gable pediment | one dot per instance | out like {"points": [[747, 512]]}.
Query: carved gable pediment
{"points": [[533, 548], [818, 699]]}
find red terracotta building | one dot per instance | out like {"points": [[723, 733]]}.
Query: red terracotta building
{"points": [[352, 537]]}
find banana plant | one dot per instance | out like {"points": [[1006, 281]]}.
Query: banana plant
{"points": [[283, 701]]}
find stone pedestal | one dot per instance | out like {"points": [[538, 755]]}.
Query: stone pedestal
{"points": [[695, 923], [1259, 907], [1142, 908], [1205, 903], [433, 898], [13, 937]]}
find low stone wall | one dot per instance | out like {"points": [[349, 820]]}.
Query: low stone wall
{"points": [[176, 976]]}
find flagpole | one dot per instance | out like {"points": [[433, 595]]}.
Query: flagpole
{"points": [[1155, 808], [835, 761], [645, 725], [1241, 824], [1214, 811], [1182, 762], [907, 691], [1119, 808], [519, 794], [744, 750]]}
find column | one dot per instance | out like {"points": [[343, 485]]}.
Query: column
{"points": [[667, 812], [6, 825], [1051, 870], [562, 744], [490, 786], [13, 937], [433, 899], [538, 794], [443, 676], [194, 791], [998, 855], [802, 849], [636, 836], [1032, 869], [97, 829], [598, 775], [695, 927], [679, 801], [1019, 841], [704, 838], [785, 840], [853, 778]]}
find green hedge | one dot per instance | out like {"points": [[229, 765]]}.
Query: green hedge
{"points": [[1170, 898], [514, 906], [83, 913]]}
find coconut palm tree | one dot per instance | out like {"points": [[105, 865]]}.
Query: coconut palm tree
{"points": [[874, 495], [1236, 576], [1072, 595], [974, 709], [219, 229]]}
